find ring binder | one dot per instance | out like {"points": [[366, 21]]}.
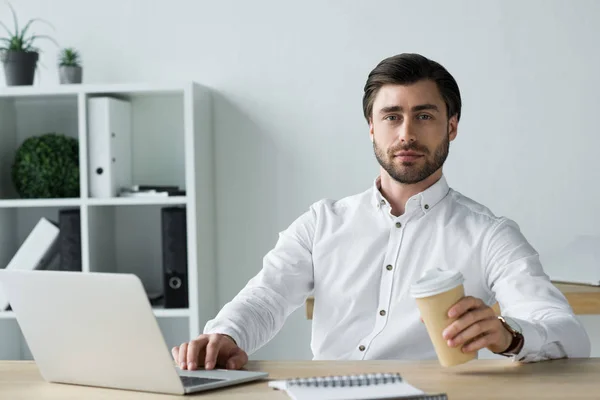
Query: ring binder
{"points": [[359, 386]]}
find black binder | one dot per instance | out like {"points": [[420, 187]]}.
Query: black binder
{"points": [[69, 239]]}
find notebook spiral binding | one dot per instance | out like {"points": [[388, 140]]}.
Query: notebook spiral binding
{"points": [[360, 380], [348, 380]]}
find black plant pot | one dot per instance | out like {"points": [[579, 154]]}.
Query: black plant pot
{"points": [[19, 67]]}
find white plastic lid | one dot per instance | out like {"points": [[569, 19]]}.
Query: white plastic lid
{"points": [[436, 281]]}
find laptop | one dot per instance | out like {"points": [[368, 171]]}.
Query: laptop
{"points": [[98, 329]]}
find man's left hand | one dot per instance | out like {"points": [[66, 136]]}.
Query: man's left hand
{"points": [[476, 327]]}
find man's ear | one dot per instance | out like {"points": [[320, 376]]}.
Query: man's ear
{"points": [[453, 127], [371, 132]]}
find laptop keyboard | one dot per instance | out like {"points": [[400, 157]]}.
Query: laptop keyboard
{"points": [[189, 381]]}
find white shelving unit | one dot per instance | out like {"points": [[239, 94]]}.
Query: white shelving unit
{"points": [[172, 144]]}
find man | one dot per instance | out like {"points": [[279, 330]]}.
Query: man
{"points": [[360, 254]]}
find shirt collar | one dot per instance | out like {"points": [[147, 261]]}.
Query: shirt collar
{"points": [[425, 200]]}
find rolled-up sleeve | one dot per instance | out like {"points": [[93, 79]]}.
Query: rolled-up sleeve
{"points": [[525, 293], [259, 310]]}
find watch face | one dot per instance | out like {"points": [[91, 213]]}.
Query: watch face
{"points": [[513, 324]]}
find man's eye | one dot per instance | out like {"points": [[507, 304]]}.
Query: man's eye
{"points": [[391, 118], [424, 116]]}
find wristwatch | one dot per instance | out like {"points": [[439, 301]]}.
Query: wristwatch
{"points": [[518, 340]]}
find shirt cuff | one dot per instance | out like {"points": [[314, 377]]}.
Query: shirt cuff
{"points": [[224, 330], [533, 340]]}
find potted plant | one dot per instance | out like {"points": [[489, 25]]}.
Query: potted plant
{"points": [[69, 61], [47, 166], [18, 53]]}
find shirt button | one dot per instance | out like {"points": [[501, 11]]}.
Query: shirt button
{"points": [[382, 313], [427, 206], [398, 225], [389, 267], [361, 347], [382, 202]]}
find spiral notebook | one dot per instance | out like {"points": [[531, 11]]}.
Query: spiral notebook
{"points": [[369, 386]]}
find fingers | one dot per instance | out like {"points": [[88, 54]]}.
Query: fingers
{"points": [[181, 359], [212, 351], [479, 328], [468, 319], [207, 351], [465, 304], [237, 359], [481, 342], [190, 355], [194, 350], [175, 353]]}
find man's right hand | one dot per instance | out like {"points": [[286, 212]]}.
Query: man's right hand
{"points": [[210, 351]]}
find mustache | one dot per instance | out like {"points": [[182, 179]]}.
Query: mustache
{"points": [[413, 146]]}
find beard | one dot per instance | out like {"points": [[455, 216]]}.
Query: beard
{"points": [[410, 172]]}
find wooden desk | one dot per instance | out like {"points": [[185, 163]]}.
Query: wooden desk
{"points": [[583, 299], [480, 379]]}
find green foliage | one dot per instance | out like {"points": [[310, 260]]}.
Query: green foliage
{"points": [[47, 166], [19, 40], [69, 57]]}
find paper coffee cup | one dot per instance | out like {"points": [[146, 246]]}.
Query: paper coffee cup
{"points": [[435, 293]]}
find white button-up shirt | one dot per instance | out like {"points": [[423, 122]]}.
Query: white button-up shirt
{"points": [[359, 260]]}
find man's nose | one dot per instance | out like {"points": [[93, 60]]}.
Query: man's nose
{"points": [[406, 132]]}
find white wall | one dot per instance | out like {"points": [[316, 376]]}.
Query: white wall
{"points": [[288, 78]]}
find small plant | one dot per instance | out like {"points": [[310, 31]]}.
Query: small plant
{"points": [[18, 52], [69, 61], [19, 40], [69, 57]]}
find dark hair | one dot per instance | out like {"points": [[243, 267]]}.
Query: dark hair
{"points": [[408, 68]]}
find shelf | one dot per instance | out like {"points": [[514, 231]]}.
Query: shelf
{"points": [[24, 118], [158, 312], [7, 315], [135, 88], [35, 91], [18, 203], [171, 312], [129, 240], [118, 201], [75, 202], [171, 145], [63, 90]]}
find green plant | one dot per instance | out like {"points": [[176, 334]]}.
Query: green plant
{"points": [[69, 57], [19, 40], [47, 166]]}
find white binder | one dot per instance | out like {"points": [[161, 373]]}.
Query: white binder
{"points": [[36, 252], [109, 146]]}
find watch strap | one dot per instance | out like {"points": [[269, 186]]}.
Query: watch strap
{"points": [[516, 342]]}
